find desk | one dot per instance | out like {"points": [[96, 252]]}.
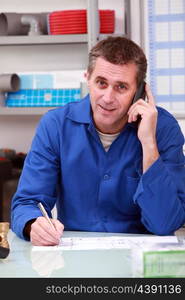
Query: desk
{"points": [[23, 262]]}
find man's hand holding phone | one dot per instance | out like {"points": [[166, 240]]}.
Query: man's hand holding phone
{"points": [[147, 112]]}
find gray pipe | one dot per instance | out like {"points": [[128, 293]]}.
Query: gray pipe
{"points": [[34, 24], [8, 83], [10, 23], [3, 24]]}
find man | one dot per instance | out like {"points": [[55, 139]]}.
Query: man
{"points": [[107, 163]]}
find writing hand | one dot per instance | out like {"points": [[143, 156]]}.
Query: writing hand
{"points": [[43, 234]]}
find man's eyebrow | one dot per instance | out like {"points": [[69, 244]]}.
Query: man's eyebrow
{"points": [[101, 77], [117, 82], [123, 82]]}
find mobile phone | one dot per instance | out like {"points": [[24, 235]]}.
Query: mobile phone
{"points": [[140, 93]]}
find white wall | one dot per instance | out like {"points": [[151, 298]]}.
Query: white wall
{"points": [[17, 132]]}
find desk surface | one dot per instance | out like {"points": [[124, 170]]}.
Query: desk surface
{"points": [[24, 262]]}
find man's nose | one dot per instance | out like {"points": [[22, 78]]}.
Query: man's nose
{"points": [[108, 95]]}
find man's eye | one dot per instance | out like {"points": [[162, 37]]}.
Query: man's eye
{"points": [[121, 87], [101, 83]]}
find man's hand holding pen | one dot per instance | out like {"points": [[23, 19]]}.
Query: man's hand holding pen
{"points": [[45, 231], [43, 234]]}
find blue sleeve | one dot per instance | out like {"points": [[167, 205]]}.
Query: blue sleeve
{"points": [[161, 190], [41, 166]]}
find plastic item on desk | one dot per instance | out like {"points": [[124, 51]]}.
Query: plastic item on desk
{"points": [[4, 245]]}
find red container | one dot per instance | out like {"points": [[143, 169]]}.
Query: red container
{"points": [[75, 21]]}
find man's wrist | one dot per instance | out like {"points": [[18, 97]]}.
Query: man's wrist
{"points": [[27, 228], [150, 155]]}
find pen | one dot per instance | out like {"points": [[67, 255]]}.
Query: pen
{"points": [[43, 211]]}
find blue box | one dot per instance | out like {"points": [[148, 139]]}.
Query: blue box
{"points": [[36, 81], [42, 97]]}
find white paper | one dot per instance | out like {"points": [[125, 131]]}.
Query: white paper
{"points": [[111, 242]]}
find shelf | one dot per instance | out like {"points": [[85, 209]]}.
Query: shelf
{"points": [[50, 39], [18, 111], [43, 39]]}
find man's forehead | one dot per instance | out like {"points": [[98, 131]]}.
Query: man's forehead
{"points": [[102, 64], [119, 73]]}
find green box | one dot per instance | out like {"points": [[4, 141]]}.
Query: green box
{"points": [[164, 264]]}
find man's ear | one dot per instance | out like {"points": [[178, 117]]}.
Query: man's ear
{"points": [[87, 77], [84, 86]]}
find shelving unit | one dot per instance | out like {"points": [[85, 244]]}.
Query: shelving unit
{"points": [[47, 39], [89, 39], [39, 111], [20, 111], [43, 39]]}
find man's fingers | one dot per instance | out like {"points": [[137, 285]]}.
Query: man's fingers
{"points": [[149, 95], [41, 230], [59, 226], [135, 112]]}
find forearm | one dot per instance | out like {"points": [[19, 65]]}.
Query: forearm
{"points": [[160, 195], [150, 154]]}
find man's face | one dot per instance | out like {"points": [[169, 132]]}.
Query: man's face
{"points": [[112, 88]]}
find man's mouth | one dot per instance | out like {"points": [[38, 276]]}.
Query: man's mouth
{"points": [[108, 109]]}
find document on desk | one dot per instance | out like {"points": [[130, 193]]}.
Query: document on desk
{"points": [[111, 242], [153, 241], [85, 243]]}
